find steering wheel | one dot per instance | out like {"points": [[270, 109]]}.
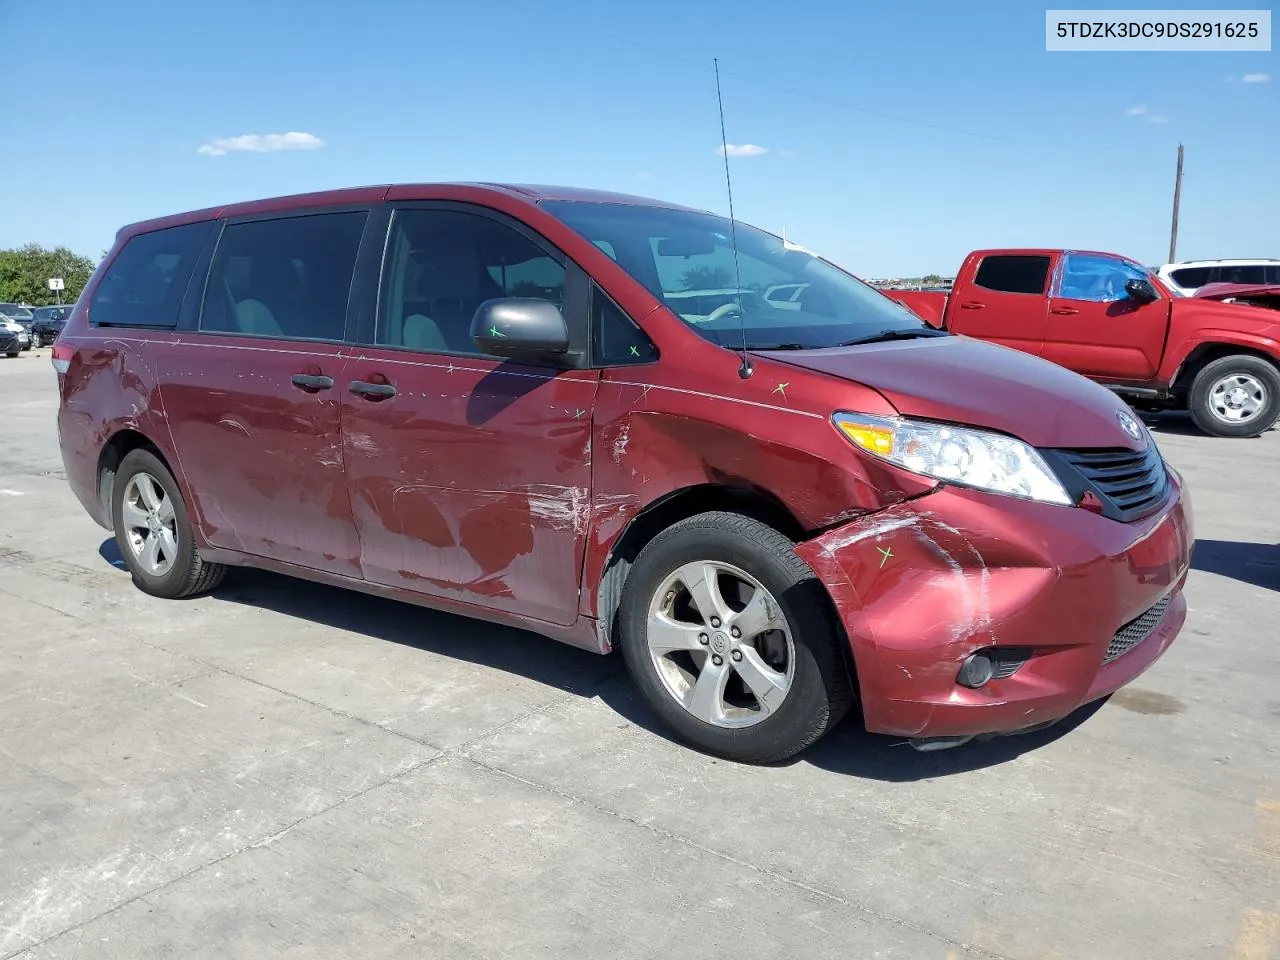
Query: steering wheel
{"points": [[723, 311]]}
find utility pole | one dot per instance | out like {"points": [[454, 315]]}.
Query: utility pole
{"points": [[1177, 199]]}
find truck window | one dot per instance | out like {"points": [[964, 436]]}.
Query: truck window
{"points": [[1013, 273], [1097, 279]]}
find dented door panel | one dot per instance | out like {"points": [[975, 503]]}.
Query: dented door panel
{"points": [[472, 482]]}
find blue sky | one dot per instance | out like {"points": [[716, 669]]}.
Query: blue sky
{"points": [[1053, 149]]}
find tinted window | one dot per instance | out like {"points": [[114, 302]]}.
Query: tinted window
{"points": [[1097, 279], [1192, 277], [1273, 274], [442, 264], [286, 278], [1013, 274], [1256, 273], [144, 284], [687, 260], [15, 311], [616, 340]]}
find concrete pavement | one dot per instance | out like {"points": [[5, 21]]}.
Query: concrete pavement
{"points": [[285, 770]]}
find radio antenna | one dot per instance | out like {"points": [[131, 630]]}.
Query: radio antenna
{"points": [[744, 370]]}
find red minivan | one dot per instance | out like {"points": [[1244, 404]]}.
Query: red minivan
{"points": [[578, 413]]}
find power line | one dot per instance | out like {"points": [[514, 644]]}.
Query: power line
{"points": [[831, 101]]}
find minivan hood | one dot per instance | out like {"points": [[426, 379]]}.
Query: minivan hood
{"points": [[966, 381]]}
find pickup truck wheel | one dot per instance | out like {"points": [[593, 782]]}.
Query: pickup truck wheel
{"points": [[153, 531], [1236, 397], [729, 637]]}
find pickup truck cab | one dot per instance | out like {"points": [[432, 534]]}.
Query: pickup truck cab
{"points": [[1109, 318]]}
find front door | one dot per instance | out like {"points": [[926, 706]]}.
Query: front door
{"points": [[252, 396], [469, 476], [1096, 328]]}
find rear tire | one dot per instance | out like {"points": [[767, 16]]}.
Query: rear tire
{"points": [[153, 531], [13, 355], [787, 644], [1237, 396]]}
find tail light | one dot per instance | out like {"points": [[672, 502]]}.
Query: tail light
{"points": [[61, 357]]}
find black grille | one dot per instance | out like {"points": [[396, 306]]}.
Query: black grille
{"points": [[1130, 483], [8, 341], [1135, 631]]}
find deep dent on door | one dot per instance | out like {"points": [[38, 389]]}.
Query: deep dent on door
{"points": [[473, 482]]}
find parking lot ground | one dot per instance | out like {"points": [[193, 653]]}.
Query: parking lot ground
{"points": [[285, 770]]}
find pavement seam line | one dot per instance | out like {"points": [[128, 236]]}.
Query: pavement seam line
{"points": [[442, 753], [260, 842], [729, 858]]}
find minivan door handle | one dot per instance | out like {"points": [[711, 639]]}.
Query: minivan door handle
{"points": [[973, 305], [1065, 311], [312, 383], [372, 391]]}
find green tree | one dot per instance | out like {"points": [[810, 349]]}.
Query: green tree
{"points": [[25, 273], [707, 278]]}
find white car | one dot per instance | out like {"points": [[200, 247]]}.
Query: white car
{"points": [[1187, 277]]}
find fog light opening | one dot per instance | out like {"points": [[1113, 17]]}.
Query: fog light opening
{"points": [[976, 671], [991, 663]]}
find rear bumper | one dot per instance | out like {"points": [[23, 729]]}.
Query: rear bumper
{"points": [[922, 585]]}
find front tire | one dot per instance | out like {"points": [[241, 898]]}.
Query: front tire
{"points": [[1236, 396], [153, 531], [731, 640]]}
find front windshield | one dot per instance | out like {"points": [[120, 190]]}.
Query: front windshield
{"points": [[789, 298]]}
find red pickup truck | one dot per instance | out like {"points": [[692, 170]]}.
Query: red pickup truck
{"points": [[1110, 319]]}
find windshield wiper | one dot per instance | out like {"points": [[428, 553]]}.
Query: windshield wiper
{"points": [[909, 334]]}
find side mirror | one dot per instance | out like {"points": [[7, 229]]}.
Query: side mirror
{"points": [[520, 328], [1141, 290]]}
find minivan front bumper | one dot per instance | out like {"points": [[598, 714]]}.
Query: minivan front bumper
{"points": [[924, 584]]}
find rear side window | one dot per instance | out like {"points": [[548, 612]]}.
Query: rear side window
{"points": [[288, 278], [615, 338], [144, 284], [1013, 274], [1190, 276], [1253, 273]]}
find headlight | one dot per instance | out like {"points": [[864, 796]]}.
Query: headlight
{"points": [[960, 455]]}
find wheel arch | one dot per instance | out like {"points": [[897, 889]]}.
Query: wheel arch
{"points": [[671, 508], [118, 446], [1205, 354]]}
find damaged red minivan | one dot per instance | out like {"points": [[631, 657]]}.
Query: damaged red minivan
{"points": [[623, 423]]}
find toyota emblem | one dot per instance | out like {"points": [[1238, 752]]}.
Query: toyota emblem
{"points": [[1129, 425]]}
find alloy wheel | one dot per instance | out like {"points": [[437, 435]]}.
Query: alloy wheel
{"points": [[150, 524], [721, 644]]}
